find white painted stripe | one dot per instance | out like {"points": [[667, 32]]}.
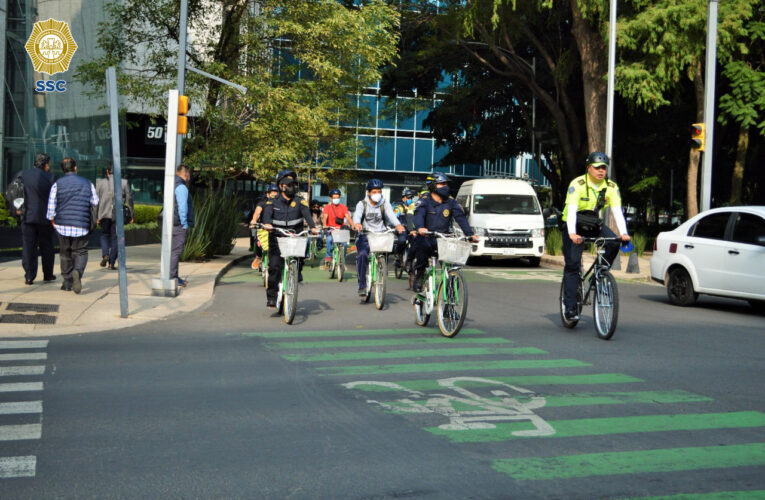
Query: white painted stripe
{"points": [[17, 466], [19, 407], [23, 356], [12, 371], [18, 432], [23, 344], [21, 386]]}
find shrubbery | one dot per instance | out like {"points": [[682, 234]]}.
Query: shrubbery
{"points": [[145, 214], [553, 241], [217, 222], [6, 219]]}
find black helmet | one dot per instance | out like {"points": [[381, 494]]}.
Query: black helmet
{"points": [[435, 178], [315, 203], [597, 158], [409, 193], [335, 192], [374, 184], [272, 187], [284, 174]]}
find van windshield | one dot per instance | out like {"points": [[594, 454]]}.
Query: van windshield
{"points": [[505, 204]]}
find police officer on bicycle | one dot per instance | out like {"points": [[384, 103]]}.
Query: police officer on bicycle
{"points": [[287, 211], [586, 195], [405, 213], [435, 212]]}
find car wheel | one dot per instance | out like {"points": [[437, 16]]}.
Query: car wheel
{"points": [[758, 305], [680, 288], [534, 261]]}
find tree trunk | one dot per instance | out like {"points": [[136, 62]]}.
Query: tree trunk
{"points": [[694, 159], [737, 181]]}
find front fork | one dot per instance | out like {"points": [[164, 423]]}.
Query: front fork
{"points": [[285, 271]]}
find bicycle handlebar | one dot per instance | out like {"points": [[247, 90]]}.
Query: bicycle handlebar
{"points": [[600, 239], [286, 232], [447, 236]]}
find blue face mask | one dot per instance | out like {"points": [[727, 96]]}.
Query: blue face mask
{"points": [[409, 201]]}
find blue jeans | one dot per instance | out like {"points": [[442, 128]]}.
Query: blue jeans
{"points": [[330, 245], [362, 259], [109, 239]]}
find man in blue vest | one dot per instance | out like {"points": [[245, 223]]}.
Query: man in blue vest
{"points": [[183, 219], [69, 208], [35, 228]]}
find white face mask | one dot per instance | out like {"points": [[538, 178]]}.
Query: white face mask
{"points": [[376, 197], [335, 201]]}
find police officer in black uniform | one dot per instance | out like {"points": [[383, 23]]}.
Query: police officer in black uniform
{"points": [[435, 212], [287, 211]]}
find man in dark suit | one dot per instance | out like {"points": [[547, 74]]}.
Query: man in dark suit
{"points": [[36, 230]]}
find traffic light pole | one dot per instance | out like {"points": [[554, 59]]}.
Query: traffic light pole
{"points": [[181, 72], [709, 107]]}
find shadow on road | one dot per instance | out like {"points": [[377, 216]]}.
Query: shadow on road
{"points": [[710, 303]]}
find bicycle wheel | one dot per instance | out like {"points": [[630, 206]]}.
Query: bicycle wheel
{"points": [[370, 283], [452, 304], [340, 264], [382, 279], [291, 292], [605, 307], [420, 316], [265, 272], [333, 264], [579, 300], [399, 263]]}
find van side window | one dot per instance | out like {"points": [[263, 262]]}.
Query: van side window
{"points": [[463, 202]]}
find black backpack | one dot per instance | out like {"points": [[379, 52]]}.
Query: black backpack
{"points": [[13, 193]]}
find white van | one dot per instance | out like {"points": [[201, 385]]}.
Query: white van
{"points": [[507, 216]]}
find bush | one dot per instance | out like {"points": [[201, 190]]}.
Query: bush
{"points": [[639, 240], [216, 224], [6, 219], [553, 241], [145, 214]]}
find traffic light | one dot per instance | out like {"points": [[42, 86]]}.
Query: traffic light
{"points": [[183, 110], [698, 136]]}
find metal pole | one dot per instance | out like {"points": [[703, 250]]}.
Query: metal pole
{"points": [[709, 107], [181, 71], [240, 88], [533, 108], [164, 285], [111, 91], [610, 100]]}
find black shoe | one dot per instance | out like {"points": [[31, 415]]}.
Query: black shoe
{"points": [[112, 267], [104, 260], [52, 277], [29, 282], [571, 315], [76, 282], [66, 288], [271, 303], [300, 277], [362, 292], [418, 284]]}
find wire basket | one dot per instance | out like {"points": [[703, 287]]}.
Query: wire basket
{"points": [[453, 251], [380, 242], [341, 236], [292, 247]]}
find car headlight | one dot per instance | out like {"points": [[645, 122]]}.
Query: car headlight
{"points": [[538, 232]]}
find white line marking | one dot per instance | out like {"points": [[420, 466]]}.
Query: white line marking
{"points": [[23, 344], [20, 407], [21, 386], [12, 371], [23, 356], [19, 432], [17, 466]]}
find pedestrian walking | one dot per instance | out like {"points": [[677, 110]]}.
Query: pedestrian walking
{"points": [[107, 217], [69, 209], [183, 219], [36, 232]]}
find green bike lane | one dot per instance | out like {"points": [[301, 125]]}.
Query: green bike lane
{"points": [[516, 404]]}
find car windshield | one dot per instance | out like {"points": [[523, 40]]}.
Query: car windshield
{"points": [[505, 204]]}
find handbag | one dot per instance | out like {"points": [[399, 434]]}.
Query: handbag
{"points": [[588, 222]]}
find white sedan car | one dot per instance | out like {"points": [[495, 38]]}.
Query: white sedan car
{"points": [[718, 252]]}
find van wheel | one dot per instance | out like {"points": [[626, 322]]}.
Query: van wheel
{"points": [[680, 288], [758, 305], [535, 261]]}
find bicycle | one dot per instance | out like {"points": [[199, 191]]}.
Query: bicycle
{"points": [[340, 238], [380, 245], [313, 251], [598, 278], [400, 264], [451, 299]]}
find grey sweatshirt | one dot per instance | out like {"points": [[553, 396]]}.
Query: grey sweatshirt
{"points": [[373, 220]]}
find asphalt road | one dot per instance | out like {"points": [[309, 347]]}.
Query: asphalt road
{"points": [[351, 402]]}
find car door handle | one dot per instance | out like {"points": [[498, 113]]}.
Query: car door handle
{"points": [[733, 252], [688, 246]]}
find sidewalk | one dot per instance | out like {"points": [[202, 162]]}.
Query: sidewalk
{"points": [[644, 263], [45, 309]]}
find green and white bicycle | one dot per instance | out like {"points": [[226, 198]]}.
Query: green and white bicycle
{"points": [[380, 245], [444, 288], [292, 247], [340, 238]]}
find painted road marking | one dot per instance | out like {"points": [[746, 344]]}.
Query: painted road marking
{"points": [[607, 426], [633, 462], [524, 380], [355, 333], [331, 344], [20, 407], [23, 344], [24, 356], [717, 495], [21, 387], [19, 432], [17, 466], [513, 364], [15, 371], [412, 353]]}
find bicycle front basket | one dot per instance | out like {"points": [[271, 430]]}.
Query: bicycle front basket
{"points": [[453, 251], [380, 242], [292, 247], [341, 236]]}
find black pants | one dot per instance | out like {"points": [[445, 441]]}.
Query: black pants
{"points": [[36, 236], [73, 256], [424, 248], [109, 239], [176, 249], [276, 267], [572, 254]]}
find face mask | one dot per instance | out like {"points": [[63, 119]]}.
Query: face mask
{"points": [[335, 201], [409, 201], [289, 190], [376, 197], [443, 192]]}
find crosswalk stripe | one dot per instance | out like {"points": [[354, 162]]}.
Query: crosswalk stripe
{"points": [[503, 431], [19, 407], [522, 380], [330, 344], [633, 462], [13, 371], [412, 353], [21, 387], [17, 467], [23, 344], [715, 495], [355, 333], [24, 356], [19, 432], [455, 366]]}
